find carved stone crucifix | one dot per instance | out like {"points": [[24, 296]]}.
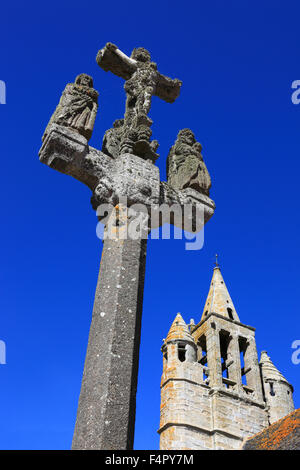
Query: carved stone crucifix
{"points": [[142, 82], [106, 409]]}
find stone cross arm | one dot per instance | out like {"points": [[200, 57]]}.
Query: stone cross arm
{"points": [[113, 179], [112, 59]]}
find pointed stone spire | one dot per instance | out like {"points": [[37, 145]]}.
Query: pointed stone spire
{"points": [[179, 330], [218, 299], [269, 370], [277, 390]]}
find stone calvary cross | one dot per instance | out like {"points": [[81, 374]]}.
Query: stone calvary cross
{"points": [[123, 171]]}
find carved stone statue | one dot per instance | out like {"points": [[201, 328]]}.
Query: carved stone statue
{"points": [[142, 82], [77, 107], [112, 139], [185, 165]]}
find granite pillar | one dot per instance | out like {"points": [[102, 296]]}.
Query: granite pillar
{"points": [[106, 409]]}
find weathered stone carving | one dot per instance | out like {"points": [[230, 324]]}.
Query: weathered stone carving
{"points": [[77, 107], [142, 82], [112, 139], [185, 165], [122, 175], [112, 179]]}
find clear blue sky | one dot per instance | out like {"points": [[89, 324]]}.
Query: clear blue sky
{"points": [[237, 61]]}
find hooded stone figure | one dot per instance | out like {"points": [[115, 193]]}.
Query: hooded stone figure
{"points": [[112, 139], [185, 165], [77, 107]]}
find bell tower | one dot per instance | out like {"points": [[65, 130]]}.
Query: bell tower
{"points": [[212, 394], [232, 355]]}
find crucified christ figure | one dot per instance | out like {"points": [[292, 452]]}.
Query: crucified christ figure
{"points": [[142, 81]]}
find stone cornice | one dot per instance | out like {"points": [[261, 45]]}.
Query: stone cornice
{"points": [[213, 314], [198, 428]]}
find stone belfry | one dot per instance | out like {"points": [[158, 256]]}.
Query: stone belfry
{"points": [[214, 392]]}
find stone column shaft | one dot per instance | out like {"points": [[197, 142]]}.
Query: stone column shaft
{"points": [[234, 370], [106, 409], [214, 356], [253, 376]]}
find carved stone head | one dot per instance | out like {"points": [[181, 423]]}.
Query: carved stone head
{"points": [[84, 80], [197, 146], [186, 136], [141, 55]]}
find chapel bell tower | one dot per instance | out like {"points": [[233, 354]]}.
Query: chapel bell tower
{"points": [[212, 392]]}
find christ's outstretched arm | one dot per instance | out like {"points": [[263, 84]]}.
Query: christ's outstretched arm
{"points": [[112, 59]]}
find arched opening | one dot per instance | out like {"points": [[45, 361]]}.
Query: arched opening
{"points": [[181, 352], [202, 356], [230, 314], [224, 343]]}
